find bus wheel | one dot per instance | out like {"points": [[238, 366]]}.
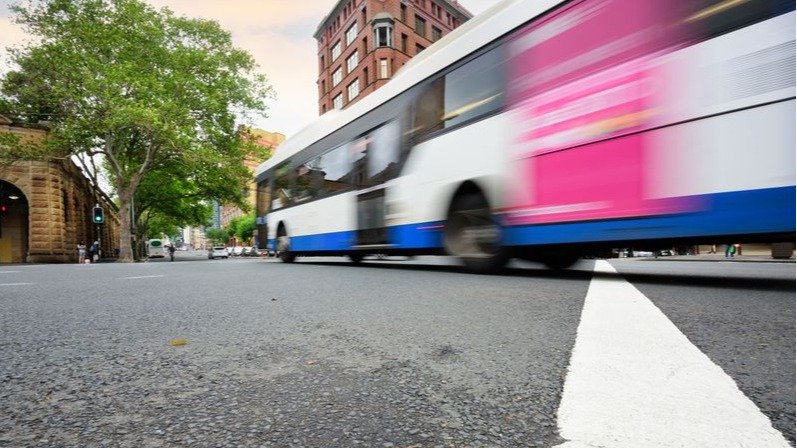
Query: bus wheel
{"points": [[356, 258], [284, 246], [473, 235]]}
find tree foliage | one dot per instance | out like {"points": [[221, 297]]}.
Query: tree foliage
{"points": [[243, 227], [218, 236], [152, 96]]}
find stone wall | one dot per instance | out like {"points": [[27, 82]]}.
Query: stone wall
{"points": [[60, 201], [59, 207]]}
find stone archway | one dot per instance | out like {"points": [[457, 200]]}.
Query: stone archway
{"points": [[14, 212]]}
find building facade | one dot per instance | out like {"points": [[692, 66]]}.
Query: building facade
{"points": [[362, 43], [267, 140], [46, 209]]}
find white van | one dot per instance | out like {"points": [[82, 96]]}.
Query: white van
{"points": [[155, 249]]}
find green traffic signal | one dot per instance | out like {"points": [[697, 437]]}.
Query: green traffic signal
{"points": [[98, 215]]}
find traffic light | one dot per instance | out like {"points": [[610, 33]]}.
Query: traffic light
{"points": [[98, 215]]}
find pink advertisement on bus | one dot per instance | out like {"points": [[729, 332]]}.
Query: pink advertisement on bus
{"points": [[584, 87]]}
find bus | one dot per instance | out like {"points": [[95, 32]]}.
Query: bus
{"points": [[155, 249], [549, 130]]}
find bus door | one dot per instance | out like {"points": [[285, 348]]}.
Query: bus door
{"points": [[376, 160]]}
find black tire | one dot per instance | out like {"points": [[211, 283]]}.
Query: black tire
{"points": [[356, 258], [284, 246], [473, 235]]}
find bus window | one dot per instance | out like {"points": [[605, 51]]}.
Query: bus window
{"points": [[283, 185], [707, 18], [428, 110], [475, 89], [331, 170], [304, 190], [384, 152], [357, 152], [263, 197]]}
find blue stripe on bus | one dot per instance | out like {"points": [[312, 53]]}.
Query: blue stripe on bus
{"points": [[769, 210], [428, 235], [324, 241]]}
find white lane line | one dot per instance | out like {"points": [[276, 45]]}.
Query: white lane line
{"points": [[635, 380], [141, 276], [15, 284], [10, 272]]}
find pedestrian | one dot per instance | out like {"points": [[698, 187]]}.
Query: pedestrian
{"points": [[730, 250], [738, 249], [171, 252], [95, 251], [81, 253]]}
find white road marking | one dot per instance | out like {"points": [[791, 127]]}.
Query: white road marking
{"points": [[15, 284], [635, 380], [142, 276], [10, 272]]}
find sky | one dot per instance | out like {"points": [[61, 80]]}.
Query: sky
{"points": [[277, 33]]}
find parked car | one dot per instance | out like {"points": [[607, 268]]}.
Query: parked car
{"points": [[236, 251], [246, 251], [262, 252], [218, 252]]}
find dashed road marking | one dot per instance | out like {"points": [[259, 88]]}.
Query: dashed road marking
{"points": [[15, 284], [10, 272], [635, 380]]}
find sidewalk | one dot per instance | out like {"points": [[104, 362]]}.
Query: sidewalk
{"points": [[719, 257]]}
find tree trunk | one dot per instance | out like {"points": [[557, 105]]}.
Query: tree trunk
{"points": [[125, 246]]}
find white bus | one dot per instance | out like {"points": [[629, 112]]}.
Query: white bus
{"points": [[155, 249], [549, 130]]}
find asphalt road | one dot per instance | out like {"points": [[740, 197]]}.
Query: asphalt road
{"points": [[393, 353]]}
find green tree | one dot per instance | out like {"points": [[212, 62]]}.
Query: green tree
{"points": [[133, 91], [243, 227], [218, 236]]}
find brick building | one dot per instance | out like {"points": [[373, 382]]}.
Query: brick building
{"points": [[46, 208], [362, 43]]}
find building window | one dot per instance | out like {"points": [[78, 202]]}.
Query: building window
{"points": [[403, 12], [403, 42], [351, 34], [352, 61], [323, 87], [337, 102], [436, 34], [384, 69], [419, 48], [365, 75], [323, 63], [420, 26], [354, 89], [336, 49], [383, 33], [365, 16], [337, 76]]}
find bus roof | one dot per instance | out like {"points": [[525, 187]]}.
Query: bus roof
{"points": [[472, 35]]}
